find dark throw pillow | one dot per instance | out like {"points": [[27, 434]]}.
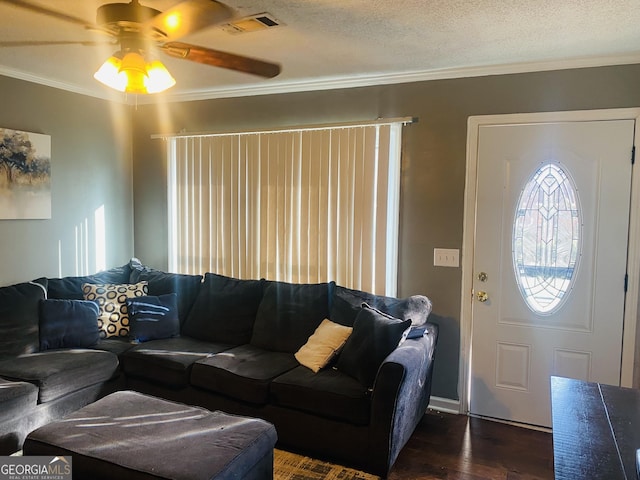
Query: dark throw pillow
{"points": [[185, 286], [19, 305], [375, 335], [68, 324], [153, 317], [225, 310]]}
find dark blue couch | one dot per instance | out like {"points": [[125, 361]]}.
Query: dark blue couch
{"points": [[232, 350]]}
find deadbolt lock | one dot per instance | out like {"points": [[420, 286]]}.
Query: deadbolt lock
{"points": [[482, 276]]}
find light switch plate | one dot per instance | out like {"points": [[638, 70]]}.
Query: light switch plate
{"points": [[446, 257]]}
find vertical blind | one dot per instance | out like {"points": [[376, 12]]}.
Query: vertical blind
{"points": [[302, 205]]}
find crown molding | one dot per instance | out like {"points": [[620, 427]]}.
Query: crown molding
{"points": [[332, 83], [406, 77], [29, 77]]}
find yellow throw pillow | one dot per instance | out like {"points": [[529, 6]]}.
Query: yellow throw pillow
{"points": [[113, 320], [323, 345]]}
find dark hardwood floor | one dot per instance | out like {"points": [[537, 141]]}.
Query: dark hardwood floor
{"points": [[456, 447]]}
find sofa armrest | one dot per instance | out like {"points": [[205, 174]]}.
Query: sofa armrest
{"points": [[400, 398]]}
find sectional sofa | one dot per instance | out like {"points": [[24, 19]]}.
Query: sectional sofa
{"points": [[344, 375]]}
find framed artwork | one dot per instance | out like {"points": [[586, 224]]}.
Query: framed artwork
{"points": [[25, 175]]}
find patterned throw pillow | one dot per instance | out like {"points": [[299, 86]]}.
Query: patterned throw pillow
{"points": [[113, 320]]}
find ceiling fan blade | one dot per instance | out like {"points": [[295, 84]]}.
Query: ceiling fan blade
{"points": [[51, 13], [190, 16], [38, 43], [217, 58]]}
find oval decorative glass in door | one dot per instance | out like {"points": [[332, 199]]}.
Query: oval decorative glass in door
{"points": [[546, 238]]}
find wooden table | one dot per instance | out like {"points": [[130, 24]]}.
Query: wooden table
{"points": [[596, 430]]}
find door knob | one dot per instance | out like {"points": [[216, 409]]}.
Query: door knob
{"points": [[482, 296]]}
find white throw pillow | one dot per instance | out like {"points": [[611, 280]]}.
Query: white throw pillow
{"points": [[323, 345]]}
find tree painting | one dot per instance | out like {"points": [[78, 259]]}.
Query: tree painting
{"points": [[25, 175]]}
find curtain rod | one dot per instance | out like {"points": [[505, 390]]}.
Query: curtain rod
{"points": [[324, 126]]}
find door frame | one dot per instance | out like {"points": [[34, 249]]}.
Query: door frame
{"points": [[630, 319]]}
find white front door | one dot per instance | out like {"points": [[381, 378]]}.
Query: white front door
{"points": [[549, 261]]}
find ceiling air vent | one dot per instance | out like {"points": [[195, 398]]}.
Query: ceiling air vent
{"points": [[253, 23]]}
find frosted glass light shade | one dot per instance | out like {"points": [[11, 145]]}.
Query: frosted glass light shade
{"points": [[132, 74], [158, 77], [110, 75]]}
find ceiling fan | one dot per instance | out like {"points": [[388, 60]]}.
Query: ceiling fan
{"points": [[141, 31]]}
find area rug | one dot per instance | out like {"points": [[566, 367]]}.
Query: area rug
{"points": [[289, 466]]}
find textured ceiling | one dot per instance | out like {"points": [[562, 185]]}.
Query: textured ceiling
{"points": [[334, 43]]}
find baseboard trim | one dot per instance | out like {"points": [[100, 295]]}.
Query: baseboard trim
{"points": [[445, 405]]}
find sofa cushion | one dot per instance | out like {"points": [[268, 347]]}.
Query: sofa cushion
{"points": [[243, 372], [67, 288], [289, 314], [153, 317], [117, 345], [345, 306], [329, 393], [225, 310], [19, 306], [167, 361], [68, 324], [113, 320], [59, 372], [323, 345], [70, 288], [185, 286], [16, 398], [375, 335]]}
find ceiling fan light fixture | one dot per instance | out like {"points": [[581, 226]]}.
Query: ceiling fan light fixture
{"points": [[141, 31], [132, 74]]}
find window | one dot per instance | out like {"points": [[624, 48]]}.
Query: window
{"points": [[298, 205], [546, 238]]}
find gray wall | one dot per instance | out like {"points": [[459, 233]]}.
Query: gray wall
{"points": [[90, 168], [434, 157]]}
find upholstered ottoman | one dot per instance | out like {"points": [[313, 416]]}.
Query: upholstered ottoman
{"points": [[128, 435]]}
